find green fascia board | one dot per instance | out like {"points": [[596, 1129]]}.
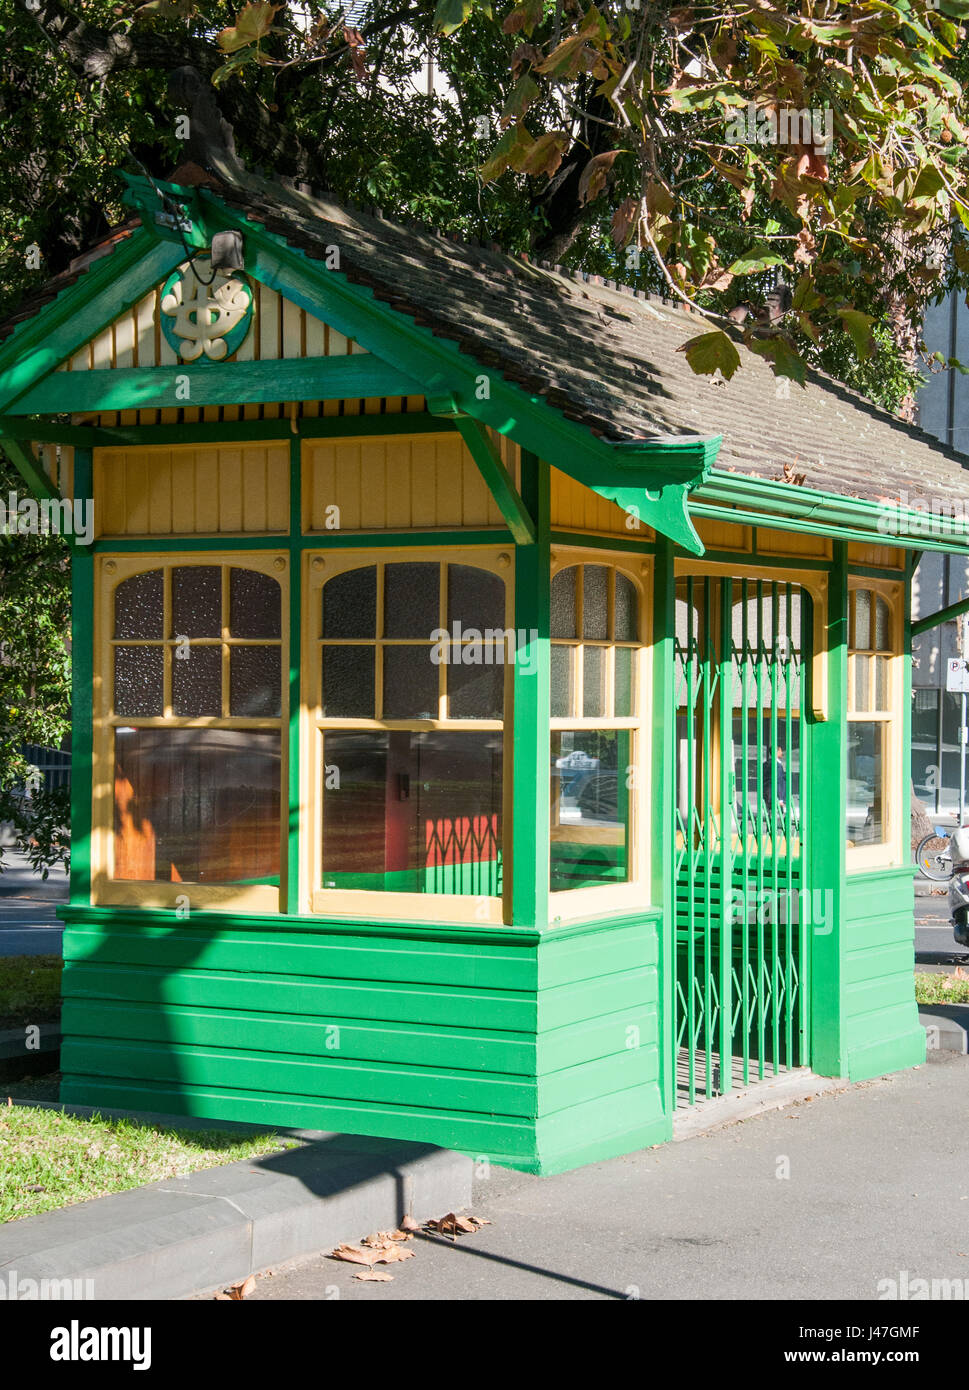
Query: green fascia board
{"points": [[107, 288], [444, 370], [187, 384], [818, 512]]}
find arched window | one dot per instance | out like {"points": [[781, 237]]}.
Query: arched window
{"points": [[596, 694], [412, 663], [194, 710]]}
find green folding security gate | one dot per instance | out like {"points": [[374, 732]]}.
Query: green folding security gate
{"points": [[742, 938]]}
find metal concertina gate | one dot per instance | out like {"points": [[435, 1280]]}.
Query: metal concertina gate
{"points": [[742, 943]]}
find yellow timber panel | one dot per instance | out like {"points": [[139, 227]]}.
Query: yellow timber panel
{"points": [[575, 507], [400, 483], [192, 490], [770, 542], [884, 557], [722, 535], [280, 328], [57, 461]]}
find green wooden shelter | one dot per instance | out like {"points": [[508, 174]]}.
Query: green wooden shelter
{"points": [[485, 731]]}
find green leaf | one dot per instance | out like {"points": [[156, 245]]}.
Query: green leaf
{"points": [[711, 352], [525, 91], [781, 355], [252, 24], [859, 326], [757, 259], [451, 14]]}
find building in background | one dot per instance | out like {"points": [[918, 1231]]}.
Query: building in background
{"points": [[940, 580]]}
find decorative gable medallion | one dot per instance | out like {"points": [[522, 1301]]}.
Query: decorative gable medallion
{"points": [[202, 321]]}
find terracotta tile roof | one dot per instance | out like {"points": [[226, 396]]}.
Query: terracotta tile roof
{"points": [[49, 291]]}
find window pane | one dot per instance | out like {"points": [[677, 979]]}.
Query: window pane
{"points": [[627, 627], [477, 691], [866, 823], [196, 805], [561, 682], [862, 686], [197, 601], [595, 602], [139, 682], [410, 683], [862, 606], [563, 603], [593, 682], [197, 681], [254, 682], [882, 625], [138, 606], [350, 604], [255, 604], [348, 682], [624, 682], [412, 602], [412, 812], [590, 808], [881, 682], [475, 598]]}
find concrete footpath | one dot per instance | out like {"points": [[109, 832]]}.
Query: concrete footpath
{"points": [[213, 1228], [820, 1201]]}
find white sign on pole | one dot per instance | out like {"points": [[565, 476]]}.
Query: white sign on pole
{"points": [[957, 674]]}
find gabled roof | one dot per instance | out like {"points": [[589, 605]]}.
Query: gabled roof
{"points": [[605, 359]]}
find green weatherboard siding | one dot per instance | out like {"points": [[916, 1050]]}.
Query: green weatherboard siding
{"points": [[537, 1050], [881, 1024]]}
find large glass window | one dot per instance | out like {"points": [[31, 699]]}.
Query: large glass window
{"points": [[412, 657], [872, 718], [196, 712], [595, 630]]}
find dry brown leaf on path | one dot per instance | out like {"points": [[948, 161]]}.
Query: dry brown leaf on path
{"points": [[385, 1253], [237, 1292], [383, 1238], [409, 1224], [373, 1276], [453, 1225]]}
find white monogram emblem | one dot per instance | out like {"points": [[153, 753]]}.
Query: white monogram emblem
{"points": [[205, 314]]}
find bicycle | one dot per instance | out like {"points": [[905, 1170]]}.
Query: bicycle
{"points": [[934, 855]]}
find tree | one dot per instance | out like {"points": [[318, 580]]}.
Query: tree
{"points": [[34, 681]]}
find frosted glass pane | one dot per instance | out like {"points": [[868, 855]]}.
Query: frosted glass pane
{"points": [[197, 681], [477, 692], [475, 598], [348, 682], [197, 601], [350, 604], [862, 683], [627, 628], [410, 683], [412, 602], [624, 682], [595, 602], [138, 606], [255, 607], [563, 603], [139, 682], [881, 682], [882, 626], [593, 682], [254, 682], [862, 602], [561, 682]]}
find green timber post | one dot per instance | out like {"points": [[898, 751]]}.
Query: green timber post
{"points": [[827, 804], [663, 735], [295, 660], [531, 708], [82, 691], [907, 634]]}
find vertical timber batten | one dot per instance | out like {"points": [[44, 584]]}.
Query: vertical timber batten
{"points": [[530, 719], [294, 889], [82, 692], [663, 729]]}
